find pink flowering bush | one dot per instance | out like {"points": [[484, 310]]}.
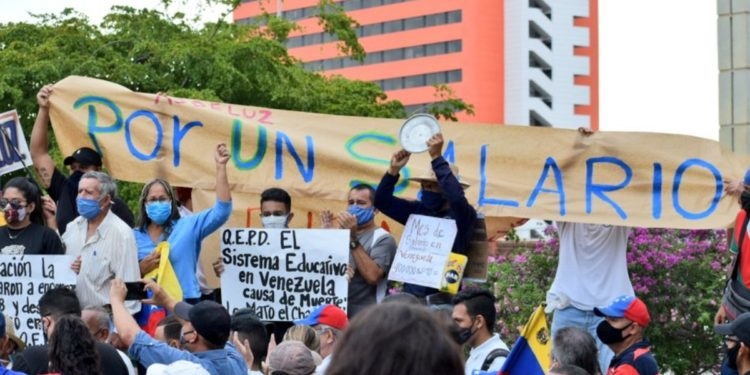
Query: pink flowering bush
{"points": [[679, 274]]}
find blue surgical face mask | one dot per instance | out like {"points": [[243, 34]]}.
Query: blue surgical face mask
{"points": [[432, 201], [88, 208], [363, 215], [159, 212]]}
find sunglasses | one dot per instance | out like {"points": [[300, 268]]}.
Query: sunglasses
{"points": [[14, 203]]}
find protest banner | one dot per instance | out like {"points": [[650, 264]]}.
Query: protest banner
{"points": [[23, 280], [283, 274], [423, 251], [635, 179], [14, 151]]}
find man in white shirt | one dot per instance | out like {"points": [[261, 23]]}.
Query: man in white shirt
{"points": [[474, 313], [104, 245], [592, 271]]}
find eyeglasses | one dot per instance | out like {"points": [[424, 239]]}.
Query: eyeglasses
{"points": [[731, 340], [14, 203], [158, 199]]}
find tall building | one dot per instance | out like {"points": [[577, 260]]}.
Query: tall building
{"points": [[734, 74], [523, 62]]}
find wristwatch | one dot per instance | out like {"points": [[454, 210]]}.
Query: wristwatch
{"points": [[353, 244]]}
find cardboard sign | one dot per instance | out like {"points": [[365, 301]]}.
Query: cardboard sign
{"points": [[423, 251], [23, 280], [284, 274], [14, 151]]}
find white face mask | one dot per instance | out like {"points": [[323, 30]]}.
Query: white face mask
{"points": [[272, 222]]}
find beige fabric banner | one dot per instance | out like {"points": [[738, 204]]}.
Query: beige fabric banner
{"points": [[636, 179]]}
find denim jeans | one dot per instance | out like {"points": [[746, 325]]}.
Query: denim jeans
{"points": [[725, 370], [586, 320]]}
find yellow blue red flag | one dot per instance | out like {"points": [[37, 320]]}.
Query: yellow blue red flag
{"points": [[530, 354], [150, 315]]}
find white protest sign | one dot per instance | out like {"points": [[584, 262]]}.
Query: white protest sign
{"points": [[423, 251], [23, 280], [283, 274], [13, 147]]}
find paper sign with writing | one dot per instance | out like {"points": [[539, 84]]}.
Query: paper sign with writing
{"points": [[283, 274], [23, 280], [13, 147], [423, 251]]}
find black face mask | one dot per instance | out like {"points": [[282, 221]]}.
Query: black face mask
{"points": [[732, 356], [464, 334], [610, 335]]}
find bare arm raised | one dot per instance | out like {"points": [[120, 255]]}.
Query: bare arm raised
{"points": [[39, 146]]}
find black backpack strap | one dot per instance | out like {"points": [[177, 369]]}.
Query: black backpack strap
{"points": [[492, 356]]}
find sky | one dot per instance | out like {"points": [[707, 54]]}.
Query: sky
{"points": [[658, 62]]}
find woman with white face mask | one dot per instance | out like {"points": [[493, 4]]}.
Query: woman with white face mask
{"points": [[26, 214], [160, 220]]}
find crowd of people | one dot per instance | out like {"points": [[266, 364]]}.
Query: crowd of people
{"points": [[599, 326]]}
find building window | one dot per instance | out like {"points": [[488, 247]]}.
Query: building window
{"points": [[537, 62], [414, 81], [348, 5], [396, 54], [536, 120], [535, 91], [419, 80], [542, 6], [536, 32], [381, 28], [414, 23], [393, 26]]}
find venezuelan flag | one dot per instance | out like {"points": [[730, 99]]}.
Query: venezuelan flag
{"points": [[150, 315], [531, 352]]}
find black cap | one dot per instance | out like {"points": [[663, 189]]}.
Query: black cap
{"points": [[740, 327], [84, 156], [245, 319], [209, 319]]}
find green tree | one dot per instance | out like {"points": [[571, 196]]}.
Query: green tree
{"points": [[151, 51]]}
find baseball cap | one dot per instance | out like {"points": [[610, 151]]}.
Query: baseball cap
{"points": [[84, 156], [180, 367], [629, 307], [291, 357], [739, 327], [330, 315], [209, 319]]}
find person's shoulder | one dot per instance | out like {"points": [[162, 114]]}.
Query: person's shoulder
{"points": [[32, 360], [115, 222], [110, 359]]}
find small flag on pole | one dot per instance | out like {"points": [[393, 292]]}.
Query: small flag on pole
{"points": [[530, 354]]}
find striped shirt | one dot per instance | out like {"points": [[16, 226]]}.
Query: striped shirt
{"points": [[110, 253]]}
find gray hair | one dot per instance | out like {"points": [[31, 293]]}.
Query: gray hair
{"points": [[101, 316], [107, 185], [574, 346]]}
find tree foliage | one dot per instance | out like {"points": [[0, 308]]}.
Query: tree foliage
{"points": [[149, 50]]}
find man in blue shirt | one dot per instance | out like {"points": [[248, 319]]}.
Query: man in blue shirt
{"points": [[205, 331]]}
